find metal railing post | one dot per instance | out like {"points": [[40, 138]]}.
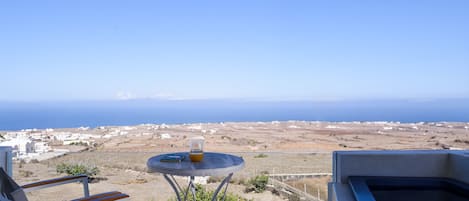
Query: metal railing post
{"points": [[86, 190]]}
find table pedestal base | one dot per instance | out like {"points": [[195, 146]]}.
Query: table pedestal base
{"points": [[191, 186]]}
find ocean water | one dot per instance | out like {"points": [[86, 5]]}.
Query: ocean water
{"points": [[16, 116]]}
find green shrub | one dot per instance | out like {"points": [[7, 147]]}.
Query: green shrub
{"points": [[214, 179], [239, 181], [79, 143], [257, 184], [25, 173], [261, 156], [77, 169], [203, 194]]}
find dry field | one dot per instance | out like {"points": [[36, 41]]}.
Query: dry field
{"points": [[293, 136]]}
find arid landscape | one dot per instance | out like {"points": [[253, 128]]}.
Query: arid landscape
{"points": [[267, 147]]}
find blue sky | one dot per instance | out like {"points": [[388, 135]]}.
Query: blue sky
{"points": [[254, 50]]}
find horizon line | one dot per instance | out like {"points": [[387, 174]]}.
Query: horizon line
{"points": [[324, 100]]}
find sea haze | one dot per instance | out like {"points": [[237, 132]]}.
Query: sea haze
{"points": [[15, 116]]}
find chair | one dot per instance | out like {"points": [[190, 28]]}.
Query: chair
{"points": [[11, 191]]}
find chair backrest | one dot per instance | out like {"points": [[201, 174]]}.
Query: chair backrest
{"points": [[6, 159], [9, 189]]}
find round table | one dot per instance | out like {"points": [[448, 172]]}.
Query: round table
{"points": [[213, 164]]}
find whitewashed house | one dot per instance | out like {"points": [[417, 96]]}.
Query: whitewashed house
{"points": [[62, 136], [21, 145], [41, 147]]}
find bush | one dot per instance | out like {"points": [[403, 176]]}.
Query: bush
{"points": [[79, 143], [25, 173], [239, 181], [202, 194], [261, 156], [22, 162], [213, 179], [77, 169], [257, 184]]}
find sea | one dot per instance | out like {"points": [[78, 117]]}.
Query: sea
{"points": [[42, 115]]}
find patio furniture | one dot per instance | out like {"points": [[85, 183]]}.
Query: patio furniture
{"points": [[213, 164], [10, 190]]}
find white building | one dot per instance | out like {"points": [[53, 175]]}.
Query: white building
{"points": [[165, 136], [41, 147], [21, 145], [62, 136]]}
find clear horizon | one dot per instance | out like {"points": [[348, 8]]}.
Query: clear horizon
{"points": [[15, 116], [243, 50]]}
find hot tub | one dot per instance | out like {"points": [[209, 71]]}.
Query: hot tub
{"points": [[367, 188]]}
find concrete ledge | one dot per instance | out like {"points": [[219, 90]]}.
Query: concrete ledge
{"points": [[458, 166], [390, 163]]}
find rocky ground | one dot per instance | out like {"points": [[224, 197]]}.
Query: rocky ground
{"points": [[288, 147]]}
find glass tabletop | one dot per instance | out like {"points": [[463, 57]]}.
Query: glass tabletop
{"points": [[213, 164]]}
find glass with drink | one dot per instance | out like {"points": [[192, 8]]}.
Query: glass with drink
{"points": [[196, 153]]}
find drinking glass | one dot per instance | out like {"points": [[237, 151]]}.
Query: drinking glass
{"points": [[196, 144]]}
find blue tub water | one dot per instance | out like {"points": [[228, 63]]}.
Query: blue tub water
{"points": [[408, 189]]}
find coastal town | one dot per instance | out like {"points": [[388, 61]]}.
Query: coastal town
{"points": [[43, 144]]}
